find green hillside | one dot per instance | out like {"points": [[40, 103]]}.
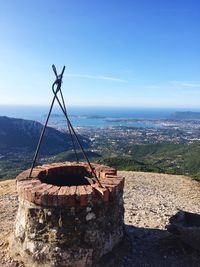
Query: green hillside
{"points": [[167, 158], [11, 166]]}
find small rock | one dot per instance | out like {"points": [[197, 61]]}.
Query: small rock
{"points": [[90, 216]]}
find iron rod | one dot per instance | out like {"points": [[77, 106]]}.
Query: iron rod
{"points": [[41, 137], [58, 82], [80, 145], [62, 105], [70, 132]]}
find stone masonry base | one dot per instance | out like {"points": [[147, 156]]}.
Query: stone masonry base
{"points": [[59, 225]]}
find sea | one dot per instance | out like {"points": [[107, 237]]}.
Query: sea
{"points": [[99, 117]]}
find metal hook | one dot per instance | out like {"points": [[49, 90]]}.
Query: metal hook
{"points": [[58, 80]]}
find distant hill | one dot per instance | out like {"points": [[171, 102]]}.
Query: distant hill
{"points": [[22, 135], [186, 115], [164, 158]]}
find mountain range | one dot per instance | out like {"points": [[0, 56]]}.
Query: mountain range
{"points": [[22, 135], [186, 115]]}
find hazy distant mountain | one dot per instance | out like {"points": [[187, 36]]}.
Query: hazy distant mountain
{"points": [[186, 115], [23, 135]]}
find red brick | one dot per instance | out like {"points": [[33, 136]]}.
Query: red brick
{"points": [[83, 195], [41, 191], [30, 196], [52, 196], [102, 192], [39, 167], [23, 175], [113, 189], [111, 181], [115, 177], [90, 192], [26, 185], [23, 184], [44, 197], [121, 179], [107, 172], [38, 173], [112, 171], [30, 192], [62, 195], [33, 192], [71, 196]]}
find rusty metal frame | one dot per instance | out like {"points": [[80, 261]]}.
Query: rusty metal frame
{"points": [[57, 84]]}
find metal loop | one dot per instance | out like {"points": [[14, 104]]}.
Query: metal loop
{"points": [[54, 70]]}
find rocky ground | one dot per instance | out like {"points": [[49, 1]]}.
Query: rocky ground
{"points": [[150, 200], [8, 208]]}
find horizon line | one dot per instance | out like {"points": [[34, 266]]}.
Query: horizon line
{"points": [[101, 106]]}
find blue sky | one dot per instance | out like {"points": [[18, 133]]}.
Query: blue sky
{"points": [[139, 53]]}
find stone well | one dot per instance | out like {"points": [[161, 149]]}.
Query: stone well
{"points": [[65, 220]]}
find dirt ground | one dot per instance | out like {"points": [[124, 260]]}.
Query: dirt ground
{"points": [[8, 209], [150, 200]]}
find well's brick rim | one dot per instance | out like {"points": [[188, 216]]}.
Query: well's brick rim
{"points": [[44, 194]]}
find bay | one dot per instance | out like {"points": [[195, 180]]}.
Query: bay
{"points": [[91, 116]]}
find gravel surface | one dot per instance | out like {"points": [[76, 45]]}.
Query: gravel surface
{"points": [[8, 209], [150, 200]]}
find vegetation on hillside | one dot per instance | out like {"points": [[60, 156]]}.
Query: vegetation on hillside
{"points": [[167, 158], [13, 164]]}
